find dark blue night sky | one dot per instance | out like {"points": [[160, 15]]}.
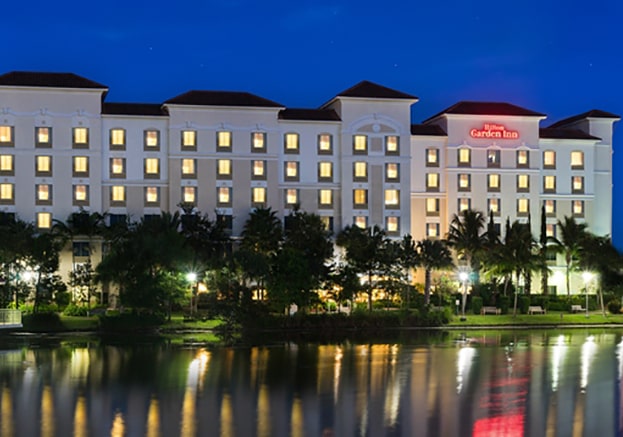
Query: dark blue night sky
{"points": [[556, 57]]}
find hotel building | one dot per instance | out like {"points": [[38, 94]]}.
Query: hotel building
{"points": [[357, 159]]}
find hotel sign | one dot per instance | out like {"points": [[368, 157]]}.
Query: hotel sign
{"points": [[492, 130]]}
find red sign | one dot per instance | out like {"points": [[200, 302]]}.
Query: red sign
{"points": [[492, 130]]}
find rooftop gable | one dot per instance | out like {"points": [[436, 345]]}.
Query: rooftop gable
{"points": [[222, 98], [48, 80], [594, 113], [566, 134], [486, 108], [367, 89]]}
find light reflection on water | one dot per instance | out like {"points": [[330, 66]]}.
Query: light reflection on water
{"points": [[525, 383]]}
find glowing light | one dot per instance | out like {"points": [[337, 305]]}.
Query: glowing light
{"points": [[463, 276], [263, 412], [153, 419], [589, 348], [492, 130], [191, 277], [6, 424], [80, 417], [47, 412], [463, 365], [558, 355], [118, 426], [227, 418], [296, 419]]}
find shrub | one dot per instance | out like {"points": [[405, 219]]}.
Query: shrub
{"points": [[476, 304], [504, 304], [523, 302], [47, 321], [75, 310], [614, 306]]}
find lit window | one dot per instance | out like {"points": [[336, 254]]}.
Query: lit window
{"points": [[327, 222], [189, 138], [523, 158], [325, 172], [43, 136], [223, 141], [224, 195], [577, 160], [151, 195], [549, 184], [291, 143], [6, 135], [81, 193], [391, 145], [151, 139], [464, 157], [325, 198], [118, 194], [44, 193], [258, 142], [523, 206], [258, 195], [117, 167], [550, 207], [360, 198], [223, 169], [549, 159], [464, 204], [432, 206], [392, 225], [43, 166], [44, 220], [392, 173], [360, 144], [577, 208], [392, 198], [493, 158], [432, 181], [292, 197], [80, 137], [360, 171], [259, 169], [464, 182], [493, 205], [493, 182], [6, 165], [432, 230], [152, 168], [291, 170], [361, 221], [117, 138], [550, 230], [81, 166], [523, 183], [325, 146], [189, 194], [188, 168], [432, 157], [577, 184], [6, 193]]}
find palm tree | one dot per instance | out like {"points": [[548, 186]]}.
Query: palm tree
{"points": [[432, 255], [408, 259], [466, 237], [519, 253], [572, 236]]}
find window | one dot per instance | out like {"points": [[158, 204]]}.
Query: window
{"points": [[188, 168], [223, 169], [80, 248], [327, 222], [361, 221], [392, 225], [360, 144], [152, 196], [493, 158], [223, 141], [432, 157], [464, 204], [360, 198], [189, 195], [392, 172], [577, 208], [432, 230], [6, 165], [226, 221], [6, 136], [151, 168], [117, 168], [523, 183], [360, 171], [325, 172], [258, 196], [523, 206], [392, 145], [577, 184], [392, 199], [80, 138], [523, 158], [117, 139], [43, 136], [223, 196], [81, 166], [493, 183], [549, 159], [325, 198], [189, 140], [151, 140], [577, 160], [292, 197], [464, 157], [43, 165], [464, 182], [432, 206], [325, 144], [432, 182], [550, 208], [549, 184], [44, 220], [6, 193], [81, 195], [43, 194], [117, 195], [494, 206], [550, 230], [291, 169], [291, 143], [258, 170], [258, 142]]}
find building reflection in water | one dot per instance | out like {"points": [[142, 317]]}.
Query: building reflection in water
{"points": [[511, 384]]}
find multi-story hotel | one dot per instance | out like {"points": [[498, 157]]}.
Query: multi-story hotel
{"points": [[357, 159]]}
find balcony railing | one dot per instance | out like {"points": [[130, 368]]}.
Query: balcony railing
{"points": [[10, 319]]}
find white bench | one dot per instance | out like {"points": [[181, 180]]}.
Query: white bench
{"points": [[577, 309], [490, 310], [536, 310]]}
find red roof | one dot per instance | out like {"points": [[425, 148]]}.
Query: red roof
{"points": [[594, 113], [486, 108], [50, 80], [222, 98]]}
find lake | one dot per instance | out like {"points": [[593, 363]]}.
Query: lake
{"points": [[485, 383]]}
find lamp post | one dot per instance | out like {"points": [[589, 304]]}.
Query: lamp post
{"points": [[191, 277], [586, 276], [464, 276]]}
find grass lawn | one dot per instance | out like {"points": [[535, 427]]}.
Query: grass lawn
{"points": [[177, 322], [551, 318], [80, 323]]}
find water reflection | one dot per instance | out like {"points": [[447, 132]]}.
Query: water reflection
{"points": [[527, 383]]}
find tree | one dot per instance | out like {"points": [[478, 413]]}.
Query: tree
{"points": [[466, 237], [408, 260], [572, 236], [543, 253], [432, 255]]}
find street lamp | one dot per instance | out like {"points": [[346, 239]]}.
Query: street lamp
{"points": [[464, 276], [192, 277], [586, 276]]}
